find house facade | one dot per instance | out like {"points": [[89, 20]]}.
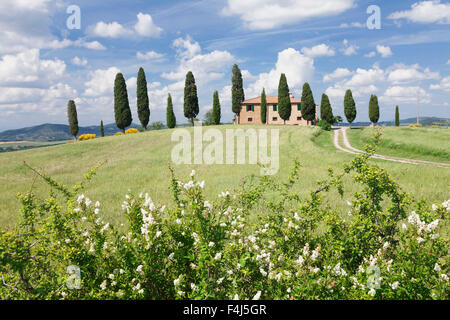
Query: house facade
{"points": [[251, 112]]}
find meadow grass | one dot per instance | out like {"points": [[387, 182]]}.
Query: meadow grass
{"points": [[138, 163], [431, 144]]}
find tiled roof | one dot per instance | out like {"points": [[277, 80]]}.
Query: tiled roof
{"points": [[270, 100]]}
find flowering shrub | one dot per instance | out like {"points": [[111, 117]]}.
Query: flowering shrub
{"points": [[131, 130], [86, 136], [118, 133], [415, 125], [244, 244]]}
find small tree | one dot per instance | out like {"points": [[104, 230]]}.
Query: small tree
{"points": [[216, 108], [374, 110], [397, 117], [237, 91], [171, 120], [191, 108], [102, 130], [142, 99], [73, 118], [122, 111], [326, 113], [338, 120], [284, 100], [349, 107], [263, 106], [209, 118], [157, 125], [308, 104]]}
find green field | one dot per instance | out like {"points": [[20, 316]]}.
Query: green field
{"points": [[431, 144], [24, 145], [138, 162]]}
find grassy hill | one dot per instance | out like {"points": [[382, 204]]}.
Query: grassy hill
{"points": [[138, 162]]}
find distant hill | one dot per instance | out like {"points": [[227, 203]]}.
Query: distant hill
{"points": [[54, 132], [425, 121]]}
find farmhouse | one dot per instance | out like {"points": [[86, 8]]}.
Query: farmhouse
{"points": [[251, 112]]}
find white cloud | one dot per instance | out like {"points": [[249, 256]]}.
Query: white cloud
{"points": [[145, 26], [101, 82], [79, 61], [297, 67], [401, 73], [352, 25], [65, 43], [405, 94], [364, 77], [425, 12], [108, 30], [384, 51], [370, 54], [186, 48], [336, 74], [27, 69], [448, 62], [443, 85], [318, 51], [150, 55], [348, 49], [269, 14]]}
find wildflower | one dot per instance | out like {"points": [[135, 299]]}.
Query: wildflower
{"points": [[193, 266], [263, 272], [178, 221], [111, 276], [219, 281], [141, 291], [404, 227], [437, 268], [192, 173], [103, 285], [420, 240], [300, 260], [96, 211], [181, 293], [288, 290], [120, 294], [315, 270], [83, 219], [218, 256], [158, 233], [176, 282], [372, 292], [139, 269], [88, 202], [236, 297], [315, 253], [211, 244], [97, 204], [444, 277], [394, 285], [201, 184], [121, 271], [80, 198], [193, 287], [230, 272], [257, 295], [67, 240], [106, 226], [434, 207], [63, 294]]}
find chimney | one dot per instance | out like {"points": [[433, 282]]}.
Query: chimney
{"points": [[291, 95]]}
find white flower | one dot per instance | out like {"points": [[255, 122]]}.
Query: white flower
{"points": [[394, 285], [372, 292], [218, 256], [88, 202], [444, 277], [178, 221], [192, 173], [263, 272], [96, 211], [67, 240], [170, 257], [176, 282], [80, 198], [120, 294], [201, 184], [193, 266], [111, 276], [139, 269], [63, 294], [83, 218], [420, 240], [300, 260], [158, 233], [230, 272], [180, 293], [257, 296], [193, 287], [103, 285], [211, 244], [437, 268], [97, 204], [236, 297], [434, 207], [141, 291], [106, 226], [219, 281], [121, 271], [404, 227]]}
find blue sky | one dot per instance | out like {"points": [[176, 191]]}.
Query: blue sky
{"points": [[327, 43]]}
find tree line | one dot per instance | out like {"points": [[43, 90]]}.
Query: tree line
{"points": [[123, 115]]}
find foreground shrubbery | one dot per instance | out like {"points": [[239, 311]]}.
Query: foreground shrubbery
{"points": [[87, 136], [244, 244]]}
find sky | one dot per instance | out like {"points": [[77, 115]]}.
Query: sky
{"points": [[49, 56]]}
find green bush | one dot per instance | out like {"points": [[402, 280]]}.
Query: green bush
{"points": [[324, 125], [385, 246]]}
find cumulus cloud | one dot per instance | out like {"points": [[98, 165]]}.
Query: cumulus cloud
{"points": [[81, 43], [349, 49], [101, 82], [79, 61], [297, 67], [145, 26], [337, 74], [108, 30], [318, 51], [405, 94], [443, 85], [150, 55], [370, 54], [425, 12], [400, 73], [384, 51], [269, 14]]}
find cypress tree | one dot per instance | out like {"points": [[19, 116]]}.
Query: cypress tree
{"points": [[171, 120], [102, 130], [216, 108], [349, 107], [397, 117], [374, 109], [143, 109], [326, 113], [284, 101], [237, 91], [122, 110], [190, 98], [263, 106], [308, 104], [73, 118]]}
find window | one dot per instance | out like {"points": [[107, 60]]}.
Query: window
{"points": [[299, 118], [299, 107], [274, 119], [250, 108], [250, 119], [274, 107]]}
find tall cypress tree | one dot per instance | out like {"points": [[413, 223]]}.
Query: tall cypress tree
{"points": [[284, 100], [190, 98], [308, 104], [397, 117], [326, 113], [374, 109], [143, 109], [263, 106], [73, 118], [171, 120], [122, 111], [349, 107], [216, 108], [102, 130], [237, 91]]}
